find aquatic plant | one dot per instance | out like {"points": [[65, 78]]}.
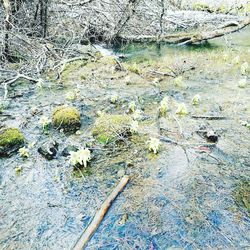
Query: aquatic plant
{"points": [[18, 170], [100, 113], [70, 96], [236, 60], [182, 109], [114, 98], [80, 157], [178, 81], [24, 152], [134, 126], [154, 145], [134, 68], [244, 68], [242, 83], [45, 122], [137, 114], [163, 106], [131, 107], [196, 100]]}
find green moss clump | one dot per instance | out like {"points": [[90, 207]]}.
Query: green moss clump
{"points": [[111, 127], [242, 196], [11, 139], [66, 118]]}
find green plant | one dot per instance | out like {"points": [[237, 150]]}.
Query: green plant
{"points": [[163, 106], [182, 109], [196, 100], [178, 81], [45, 122]]}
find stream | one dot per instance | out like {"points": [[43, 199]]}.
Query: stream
{"points": [[182, 198]]}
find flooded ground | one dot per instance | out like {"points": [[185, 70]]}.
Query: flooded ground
{"points": [[194, 194]]}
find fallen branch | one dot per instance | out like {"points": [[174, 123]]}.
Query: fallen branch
{"points": [[209, 117], [192, 37], [19, 76], [81, 243]]}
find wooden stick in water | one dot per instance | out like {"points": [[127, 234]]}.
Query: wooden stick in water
{"points": [[85, 237]]}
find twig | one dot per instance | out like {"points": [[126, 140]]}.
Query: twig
{"points": [[81, 243], [209, 117], [14, 80]]}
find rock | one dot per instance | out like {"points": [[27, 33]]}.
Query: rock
{"points": [[211, 136], [110, 127], [49, 150], [68, 149], [11, 139], [66, 118]]}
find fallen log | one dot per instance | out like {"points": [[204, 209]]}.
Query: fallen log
{"points": [[85, 237], [192, 37]]}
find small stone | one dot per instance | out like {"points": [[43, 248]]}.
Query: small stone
{"points": [[49, 150], [211, 136]]}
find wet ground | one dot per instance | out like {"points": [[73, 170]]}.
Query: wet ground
{"points": [[188, 196]]}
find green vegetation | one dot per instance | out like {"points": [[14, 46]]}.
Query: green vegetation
{"points": [[242, 196], [110, 127], [11, 139], [66, 118]]}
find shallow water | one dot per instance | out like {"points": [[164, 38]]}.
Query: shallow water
{"points": [[182, 198]]}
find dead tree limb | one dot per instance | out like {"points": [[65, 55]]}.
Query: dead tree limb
{"points": [[19, 76], [190, 38], [81, 243]]}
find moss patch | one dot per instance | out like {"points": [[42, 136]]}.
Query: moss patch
{"points": [[110, 127], [11, 139], [66, 118], [242, 196]]}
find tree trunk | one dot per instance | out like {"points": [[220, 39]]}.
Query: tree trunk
{"points": [[7, 27]]}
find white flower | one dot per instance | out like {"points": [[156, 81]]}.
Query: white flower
{"points": [[70, 96], [244, 68], [44, 121], [163, 106], [182, 109], [154, 145], [242, 83], [196, 99], [131, 107], [178, 81], [236, 60], [134, 126], [114, 98], [81, 157], [23, 152], [137, 115]]}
